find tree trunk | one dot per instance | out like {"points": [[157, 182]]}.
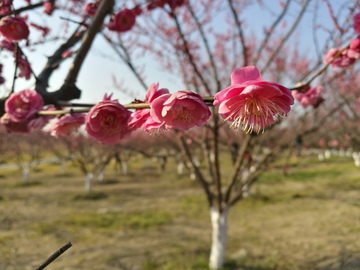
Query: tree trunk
{"points": [[219, 222], [124, 167], [63, 166], [26, 175], [100, 176], [88, 181]]}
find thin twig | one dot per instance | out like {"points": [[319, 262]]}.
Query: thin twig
{"points": [[287, 36], [241, 33], [54, 256]]}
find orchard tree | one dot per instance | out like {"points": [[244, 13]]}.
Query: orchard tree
{"points": [[236, 72]]}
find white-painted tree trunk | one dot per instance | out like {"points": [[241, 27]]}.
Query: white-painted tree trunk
{"points": [[26, 175], [63, 166], [180, 168], [101, 176], [124, 167], [88, 181], [219, 222]]}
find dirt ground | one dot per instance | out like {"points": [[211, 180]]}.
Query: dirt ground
{"points": [[158, 220]]}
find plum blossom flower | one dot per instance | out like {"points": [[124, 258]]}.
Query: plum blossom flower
{"points": [[48, 8], [141, 118], [123, 21], [24, 67], [343, 60], [181, 110], [354, 49], [12, 126], [7, 45], [311, 97], [356, 20], [43, 29], [14, 29], [91, 8], [251, 103], [67, 124], [107, 121], [161, 3], [5, 7], [23, 105]]}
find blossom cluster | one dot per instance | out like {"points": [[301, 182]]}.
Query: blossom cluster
{"points": [[336, 57], [250, 103], [15, 28], [344, 57]]}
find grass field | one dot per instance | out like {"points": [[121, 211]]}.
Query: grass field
{"points": [[150, 220]]}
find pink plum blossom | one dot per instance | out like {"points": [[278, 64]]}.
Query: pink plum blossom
{"points": [[354, 49], [24, 67], [107, 121], [91, 8], [161, 3], [181, 110], [23, 105], [251, 103], [48, 8], [67, 124], [37, 122], [7, 45], [356, 20], [123, 21], [12, 126], [311, 97], [343, 60], [14, 29], [5, 7], [141, 118]]}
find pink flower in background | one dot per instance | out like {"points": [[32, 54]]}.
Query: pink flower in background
{"points": [[161, 3], [356, 20], [5, 7], [48, 8], [251, 103], [123, 21], [107, 122], [67, 124], [43, 29], [141, 118], [311, 97], [343, 60], [12, 126], [14, 29], [7, 45], [67, 53], [21, 106], [181, 110], [91, 8], [39, 121], [137, 10], [354, 49], [24, 67]]}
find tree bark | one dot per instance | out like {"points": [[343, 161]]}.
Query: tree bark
{"points": [[88, 181], [219, 222]]}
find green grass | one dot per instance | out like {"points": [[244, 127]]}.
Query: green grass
{"points": [[151, 220], [118, 220]]}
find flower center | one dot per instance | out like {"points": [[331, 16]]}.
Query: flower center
{"points": [[255, 113], [182, 115], [107, 120]]}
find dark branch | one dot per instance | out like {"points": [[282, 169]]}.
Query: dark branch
{"points": [[54, 256]]}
